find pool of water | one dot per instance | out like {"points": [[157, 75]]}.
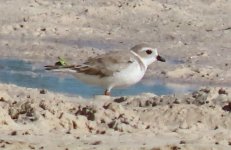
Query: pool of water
{"points": [[33, 75]]}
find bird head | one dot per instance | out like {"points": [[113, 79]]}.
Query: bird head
{"points": [[147, 53]]}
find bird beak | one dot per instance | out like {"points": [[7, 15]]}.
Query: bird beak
{"points": [[159, 58]]}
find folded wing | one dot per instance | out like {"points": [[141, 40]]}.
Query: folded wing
{"points": [[102, 65]]}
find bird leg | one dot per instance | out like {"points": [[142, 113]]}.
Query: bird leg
{"points": [[107, 92]]}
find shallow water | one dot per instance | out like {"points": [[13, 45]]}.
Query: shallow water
{"points": [[28, 74]]}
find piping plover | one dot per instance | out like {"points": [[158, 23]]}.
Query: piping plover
{"points": [[113, 69]]}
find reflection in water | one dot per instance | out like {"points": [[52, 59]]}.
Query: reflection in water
{"points": [[27, 74], [181, 88]]}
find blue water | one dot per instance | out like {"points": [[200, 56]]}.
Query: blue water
{"points": [[28, 74]]}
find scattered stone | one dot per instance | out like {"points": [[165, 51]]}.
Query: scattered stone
{"points": [[222, 91], [227, 28], [205, 90], [148, 127], [97, 143], [61, 115], [120, 99], [100, 132], [163, 72], [112, 124], [176, 101], [87, 111], [175, 148], [74, 125], [182, 142], [43, 29], [86, 10], [2, 99], [25, 19], [43, 91], [200, 54], [32, 147], [26, 133], [227, 107], [13, 133]]}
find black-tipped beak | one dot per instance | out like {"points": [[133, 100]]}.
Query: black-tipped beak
{"points": [[159, 58]]}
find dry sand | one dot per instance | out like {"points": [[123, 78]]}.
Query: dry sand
{"points": [[31, 119], [193, 35]]}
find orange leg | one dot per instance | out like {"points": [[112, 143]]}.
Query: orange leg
{"points": [[106, 92]]}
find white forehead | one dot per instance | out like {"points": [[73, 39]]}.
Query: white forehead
{"points": [[146, 48]]}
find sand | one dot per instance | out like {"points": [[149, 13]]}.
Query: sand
{"points": [[31, 119], [192, 35]]}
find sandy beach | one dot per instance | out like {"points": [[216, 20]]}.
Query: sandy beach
{"points": [[31, 119], [192, 35]]}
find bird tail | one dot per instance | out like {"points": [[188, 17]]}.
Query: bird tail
{"points": [[67, 68]]}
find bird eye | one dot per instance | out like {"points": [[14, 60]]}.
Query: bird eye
{"points": [[148, 51]]}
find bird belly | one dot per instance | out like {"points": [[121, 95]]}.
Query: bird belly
{"points": [[128, 76]]}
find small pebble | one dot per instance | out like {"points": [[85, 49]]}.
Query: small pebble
{"points": [[43, 29], [2, 99], [227, 107], [96, 142], [32, 147], [43, 91], [14, 133], [175, 148], [182, 142], [222, 91]]}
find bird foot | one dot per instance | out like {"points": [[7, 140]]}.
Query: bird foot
{"points": [[107, 93]]}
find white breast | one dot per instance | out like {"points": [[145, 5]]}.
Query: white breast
{"points": [[129, 76]]}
